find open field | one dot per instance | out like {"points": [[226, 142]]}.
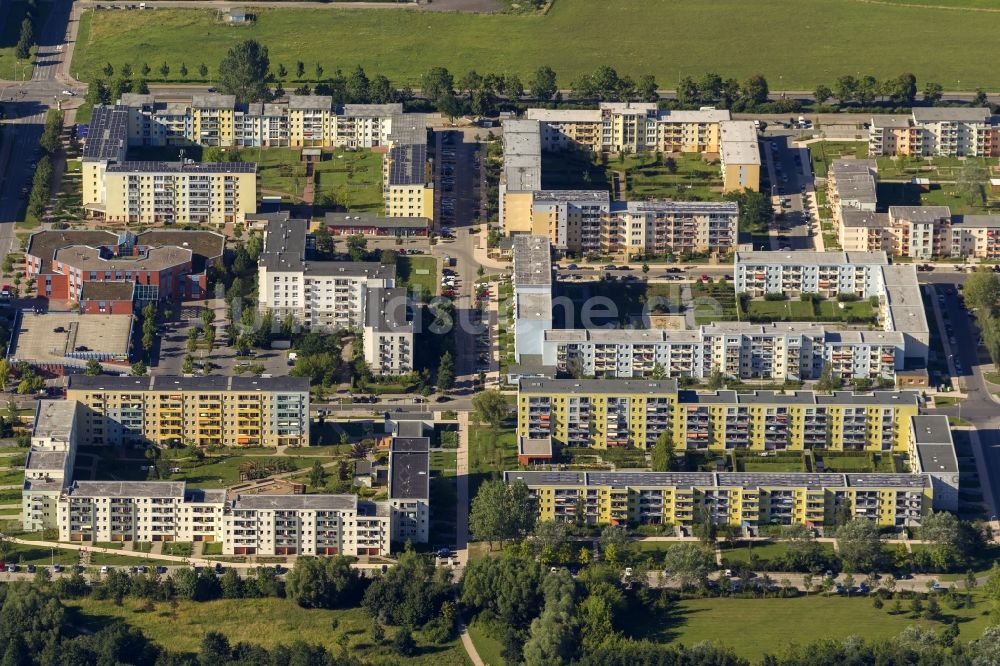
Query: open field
{"points": [[837, 37], [266, 622], [753, 627], [823, 153], [418, 274]]}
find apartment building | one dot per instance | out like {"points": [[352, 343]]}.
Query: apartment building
{"points": [[206, 411], [852, 184], [634, 413], [922, 232], [739, 499], [628, 128], [661, 227], [932, 453], [933, 132], [740, 156], [388, 332], [409, 488], [332, 295], [406, 181], [125, 511], [781, 351], [50, 461], [162, 265]]}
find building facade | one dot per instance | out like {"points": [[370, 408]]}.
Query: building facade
{"points": [[726, 498], [205, 411], [635, 413], [934, 132]]}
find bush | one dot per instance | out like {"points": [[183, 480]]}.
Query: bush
{"points": [[775, 296], [847, 298]]}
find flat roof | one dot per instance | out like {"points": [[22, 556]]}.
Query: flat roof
{"points": [[533, 306], [39, 340], [920, 213], [534, 446], [94, 290], [604, 386], [43, 244], [296, 502], [205, 245], [814, 481], [409, 468], [738, 142], [54, 419], [178, 383], [522, 155], [407, 164], [571, 196], [213, 101], [950, 114], [373, 110], [311, 102], [532, 261], [806, 258], [39, 460], [350, 220], [891, 121], [92, 259], [182, 167], [931, 429], [172, 489], [386, 310], [107, 136], [671, 207], [855, 217], [564, 115]]}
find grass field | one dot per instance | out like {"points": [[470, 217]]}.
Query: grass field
{"points": [[265, 622], [741, 551], [418, 274], [753, 627], [822, 153], [488, 456], [830, 37]]}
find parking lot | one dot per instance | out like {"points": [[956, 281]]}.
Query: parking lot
{"points": [[173, 339], [457, 180]]}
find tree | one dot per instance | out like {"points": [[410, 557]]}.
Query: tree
{"points": [[93, 368], [754, 90], [512, 87], [471, 82], [300, 70], [164, 70], [553, 635], [903, 89], [543, 85], [860, 545], [323, 582], [845, 88], [26, 40], [410, 593], [933, 92], [357, 86], [142, 87], [822, 94], [183, 71], [446, 372], [139, 369], [982, 290], [187, 367], [483, 102], [145, 69], [980, 99], [282, 71], [317, 475], [357, 247], [437, 83], [716, 380], [490, 407], [663, 453], [827, 381], [403, 643], [244, 71], [502, 512], [108, 69], [648, 88], [508, 586], [203, 70], [687, 563]]}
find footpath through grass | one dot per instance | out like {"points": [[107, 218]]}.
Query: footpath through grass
{"points": [[830, 37]]}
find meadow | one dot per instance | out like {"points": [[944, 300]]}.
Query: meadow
{"points": [[667, 38]]}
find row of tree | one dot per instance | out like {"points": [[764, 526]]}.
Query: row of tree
{"points": [[42, 182], [982, 292], [867, 90], [26, 38]]}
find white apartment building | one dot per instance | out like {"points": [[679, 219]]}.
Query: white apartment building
{"points": [[50, 462], [660, 227], [795, 273], [922, 232], [388, 332], [409, 488], [852, 184], [934, 131], [332, 295]]}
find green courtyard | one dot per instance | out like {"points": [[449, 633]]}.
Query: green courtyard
{"points": [[859, 312], [843, 36]]}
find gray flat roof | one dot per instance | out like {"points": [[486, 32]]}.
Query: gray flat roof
{"points": [[937, 458], [522, 155], [94, 290], [855, 217], [296, 502], [409, 468], [46, 459], [181, 167], [540, 446], [920, 213], [931, 429], [813, 481], [54, 419], [606, 386], [386, 310], [946, 114], [671, 207], [178, 383], [54, 337], [127, 489], [807, 258], [349, 220], [532, 261]]}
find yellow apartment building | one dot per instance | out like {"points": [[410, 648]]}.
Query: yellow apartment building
{"points": [[634, 413], [740, 499], [205, 411]]}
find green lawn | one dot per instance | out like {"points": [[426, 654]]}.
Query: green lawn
{"points": [[489, 455], [763, 465], [822, 153], [352, 180], [418, 274], [753, 627], [836, 37], [488, 647], [265, 622], [826, 310], [25, 554], [789, 310], [212, 548], [741, 551], [178, 548], [867, 463]]}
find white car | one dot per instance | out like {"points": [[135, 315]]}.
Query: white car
{"points": [[69, 92], [104, 569]]}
